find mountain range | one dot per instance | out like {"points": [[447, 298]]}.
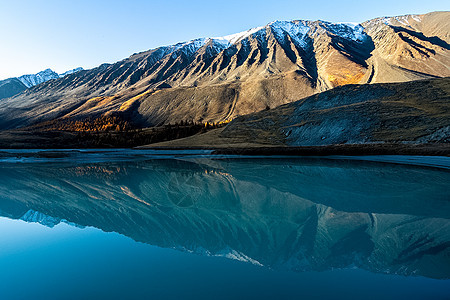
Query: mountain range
{"points": [[219, 79], [13, 86]]}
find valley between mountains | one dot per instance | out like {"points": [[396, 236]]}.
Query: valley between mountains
{"points": [[289, 83]]}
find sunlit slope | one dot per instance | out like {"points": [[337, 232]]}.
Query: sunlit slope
{"points": [[216, 79]]}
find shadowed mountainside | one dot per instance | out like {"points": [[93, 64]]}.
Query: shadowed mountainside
{"points": [[10, 87]]}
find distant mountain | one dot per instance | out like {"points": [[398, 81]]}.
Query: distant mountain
{"points": [[13, 86], [10, 87], [43, 76], [218, 79], [35, 79]]}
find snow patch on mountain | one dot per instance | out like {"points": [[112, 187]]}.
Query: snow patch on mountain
{"points": [[70, 72], [404, 20], [416, 18], [234, 38], [349, 31], [296, 30], [358, 33], [224, 43], [190, 47]]}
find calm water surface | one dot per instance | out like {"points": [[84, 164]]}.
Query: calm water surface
{"points": [[202, 228]]}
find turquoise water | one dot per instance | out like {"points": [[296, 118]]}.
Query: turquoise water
{"points": [[201, 228]]}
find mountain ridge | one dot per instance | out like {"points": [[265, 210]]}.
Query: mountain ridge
{"points": [[10, 87], [208, 80], [30, 80]]}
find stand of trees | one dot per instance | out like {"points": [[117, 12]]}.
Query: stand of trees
{"points": [[114, 131], [104, 123], [137, 137]]}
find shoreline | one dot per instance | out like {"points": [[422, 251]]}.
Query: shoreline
{"points": [[342, 149], [14, 156]]}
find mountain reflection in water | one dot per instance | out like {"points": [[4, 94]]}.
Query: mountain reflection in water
{"points": [[294, 214]]}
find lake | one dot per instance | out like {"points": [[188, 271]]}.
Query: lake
{"points": [[118, 225]]}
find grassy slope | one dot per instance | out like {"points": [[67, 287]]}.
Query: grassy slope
{"points": [[414, 112]]}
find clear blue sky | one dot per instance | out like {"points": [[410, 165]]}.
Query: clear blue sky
{"points": [[62, 35]]}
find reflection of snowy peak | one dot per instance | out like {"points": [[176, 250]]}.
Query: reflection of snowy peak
{"points": [[227, 252], [32, 216], [43, 76]]}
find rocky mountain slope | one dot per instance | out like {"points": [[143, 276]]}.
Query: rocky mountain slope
{"points": [[218, 79], [11, 86]]}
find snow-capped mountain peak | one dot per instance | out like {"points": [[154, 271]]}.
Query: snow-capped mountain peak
{"points": [[234, 38], [30, 80], [295, 29], [70, 72]]}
